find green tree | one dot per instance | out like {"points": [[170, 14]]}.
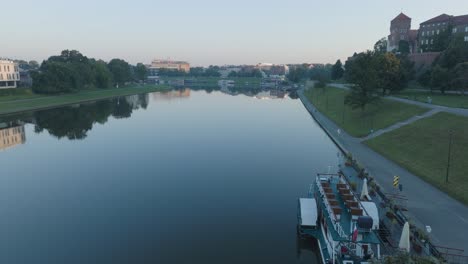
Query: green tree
{"points": [[55, 77], [141, 72], [232, 74], [337, 70], [380, 46], [389, 72], [460, 76], [120, 70], [102, 75], [196, 71], [212, 71], [440, 78], [362, 73], [403, 46]]}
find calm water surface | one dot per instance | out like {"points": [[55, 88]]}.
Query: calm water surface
{"points": [[179, 177]]}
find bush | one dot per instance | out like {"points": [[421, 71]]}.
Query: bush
{"points": [[320, 84]]}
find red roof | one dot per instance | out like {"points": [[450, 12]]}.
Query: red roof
{"points": [[460, 20], [441, 18], [401, 17]]}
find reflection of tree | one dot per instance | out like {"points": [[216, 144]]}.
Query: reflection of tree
{"points": [[122, 108], [73, 122]]}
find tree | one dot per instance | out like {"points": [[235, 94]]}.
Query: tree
{"points": [[460, 76], [55, 77], [232, 74], [380, 46], [102, 75], [33, 64], [389, 72], [196, 71], [446, 73], [403, 46], [362, 73], [440, 78], [140, 72], [298, 73], [337, 70], [120, 70], [212, 71]]}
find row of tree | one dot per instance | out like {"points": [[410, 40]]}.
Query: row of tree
{"points": [[211, 71], [450, 70], [318, 72], [72, 71]]}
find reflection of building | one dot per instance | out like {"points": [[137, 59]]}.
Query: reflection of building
{"points": [[272, 94], [9, 74], [11, 136], [155, 65], [180, 93]]}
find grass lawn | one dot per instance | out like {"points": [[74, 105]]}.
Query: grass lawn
{"points": [[19, 103], [330, 101], [422, 148], [451, 100]]}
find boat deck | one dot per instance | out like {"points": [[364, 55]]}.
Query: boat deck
{"points": [[345, 209]]}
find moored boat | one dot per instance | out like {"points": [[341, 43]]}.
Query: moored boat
{"points": [[345, 227]]}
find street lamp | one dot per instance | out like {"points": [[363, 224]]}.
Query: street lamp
{"points": [[342, 116], [448, 155]]}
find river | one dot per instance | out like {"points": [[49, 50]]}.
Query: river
{"points": [[178, 177]]}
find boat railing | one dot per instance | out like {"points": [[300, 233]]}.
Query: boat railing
{"points": [[336, 224]]}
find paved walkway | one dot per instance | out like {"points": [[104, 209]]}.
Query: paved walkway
{"points": [[400, 124], [447, 217], [453, 110]]}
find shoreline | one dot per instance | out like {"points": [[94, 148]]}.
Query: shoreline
{"points": [[311, 109], [55, 101]]}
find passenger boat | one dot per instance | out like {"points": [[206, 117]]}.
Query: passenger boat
{"points": [[344, 225]]}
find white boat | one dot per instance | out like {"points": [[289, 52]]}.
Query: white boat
{"points": [[345, 227]]}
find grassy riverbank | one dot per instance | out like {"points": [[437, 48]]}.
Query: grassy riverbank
{"points": [[26, 101], [330, 101], [422, 148]]}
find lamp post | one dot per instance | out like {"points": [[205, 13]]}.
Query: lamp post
{"points": [[342, 116], [448, 156]]}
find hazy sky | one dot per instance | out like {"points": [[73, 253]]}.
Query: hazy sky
{"points": [[206, 32]]}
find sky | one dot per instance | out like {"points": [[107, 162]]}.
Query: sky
{"points": [[206, 32]]}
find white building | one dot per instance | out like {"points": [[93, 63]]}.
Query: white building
{"points": [[9, 74]]}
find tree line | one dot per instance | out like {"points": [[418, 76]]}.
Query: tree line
{"points": [[450, 69], [211, 71], [375, 73], [71, 71]]}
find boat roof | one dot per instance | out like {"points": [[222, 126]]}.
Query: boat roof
{"points": [[308, 211], [373, 212]]}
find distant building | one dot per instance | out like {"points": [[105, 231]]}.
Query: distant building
{"points": [[273, 69], [11, 135], [9, 74], [420, 39], [155, 65], [428, 30], [400, 29]]}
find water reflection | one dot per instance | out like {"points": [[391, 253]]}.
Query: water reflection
{"points": [[75, 121], [211, 178], [11, 134], [173, 94]]}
